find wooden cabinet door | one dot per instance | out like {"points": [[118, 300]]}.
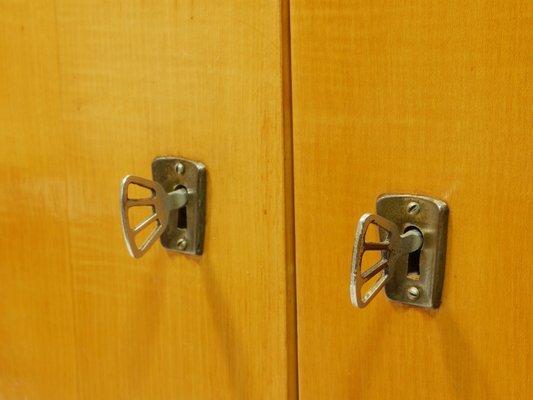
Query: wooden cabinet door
{"points": [[92, 91], [415, 97]]}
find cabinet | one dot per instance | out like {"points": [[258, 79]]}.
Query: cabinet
{"points": [[303, 113]]}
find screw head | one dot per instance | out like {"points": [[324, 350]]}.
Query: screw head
{"points": [[413, 293], [182, 244], [413, 208], [180, 168]]}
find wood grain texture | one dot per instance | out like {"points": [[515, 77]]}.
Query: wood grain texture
{"points": [[425, 97], [91, 91]]}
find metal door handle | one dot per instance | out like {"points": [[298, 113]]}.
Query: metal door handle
{"points": [[177, 202], [412, 246]]}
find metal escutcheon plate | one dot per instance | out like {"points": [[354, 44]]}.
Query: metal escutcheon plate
{"points": [[185, 231], [430, 216]]}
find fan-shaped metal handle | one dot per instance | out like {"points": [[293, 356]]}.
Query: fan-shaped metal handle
{"points": [[160, 202], [391, 246], [177, 201]]}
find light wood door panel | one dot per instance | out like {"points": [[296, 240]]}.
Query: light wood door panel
{"points": [[37, 344], [424, 97], [91, 91]]}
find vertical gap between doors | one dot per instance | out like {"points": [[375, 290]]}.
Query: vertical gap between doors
{"points": [[290, 242]]}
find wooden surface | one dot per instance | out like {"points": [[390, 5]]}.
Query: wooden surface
{"points": [[92, 91], [432, 98]]}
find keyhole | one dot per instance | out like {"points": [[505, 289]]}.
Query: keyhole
{"points": [[413, 259], [182, 212]]}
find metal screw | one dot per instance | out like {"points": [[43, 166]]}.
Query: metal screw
{"points": [[182, 244], [413, 208], [180, 168], [413, 293]]}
